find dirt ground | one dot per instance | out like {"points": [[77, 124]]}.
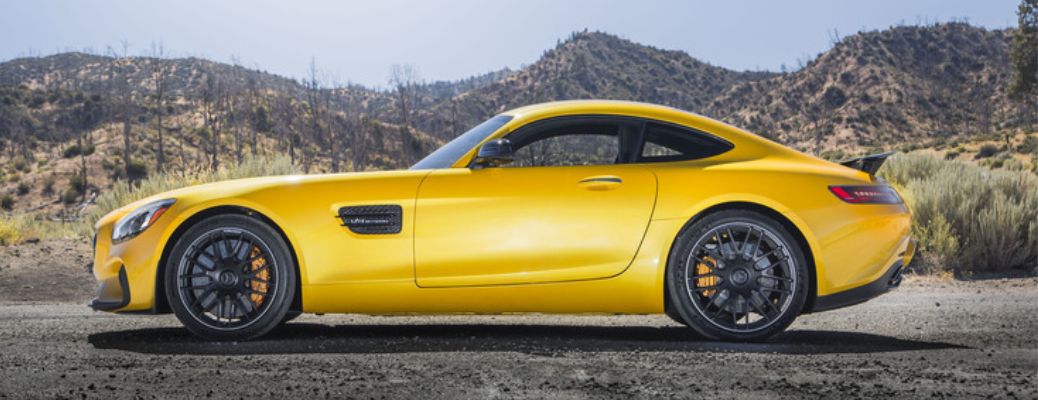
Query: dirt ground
{"points": [[928, 339]]}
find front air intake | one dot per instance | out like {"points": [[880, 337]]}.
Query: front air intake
{"points": [[372, 219]]}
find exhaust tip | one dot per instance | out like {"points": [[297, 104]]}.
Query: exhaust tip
{"points": [[895, 279]]}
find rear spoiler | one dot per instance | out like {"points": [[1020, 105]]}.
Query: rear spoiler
{"points": [[868, 164]]}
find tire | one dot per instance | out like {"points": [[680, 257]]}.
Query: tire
{"points": [[737, 275], [291, 315], [673, 313], [230, 278]]}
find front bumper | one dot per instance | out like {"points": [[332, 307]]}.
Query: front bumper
{"points": [[126, 272], [112, 293]]}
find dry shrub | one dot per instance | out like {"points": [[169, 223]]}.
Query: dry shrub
{"points": [[15, 229], [968, 218]]}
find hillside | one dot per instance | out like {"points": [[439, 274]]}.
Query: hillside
{"points": [[597, 65], [69, 116], [901, 85]]}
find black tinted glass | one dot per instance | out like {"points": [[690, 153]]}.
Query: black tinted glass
{"points": [[571, 141], [671, 143], [449, 154]]}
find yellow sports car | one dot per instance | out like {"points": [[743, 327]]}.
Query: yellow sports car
{"points": [[565, 207]]}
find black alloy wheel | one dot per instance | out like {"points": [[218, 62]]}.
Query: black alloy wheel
{"points": [[737, 275], [230, 277]]}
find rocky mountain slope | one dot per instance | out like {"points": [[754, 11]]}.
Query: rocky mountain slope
{"points": [[897, 86]]}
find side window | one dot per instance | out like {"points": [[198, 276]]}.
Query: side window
{"points": [[568, 144], [671, 143]]}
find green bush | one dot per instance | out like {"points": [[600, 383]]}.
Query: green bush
{"points": [[986, 150], [76, 182], [23, 189], [833, 155], [48, 185], [137, 170], [7, 202], [71, 196], [71, 151], [1028, 146], [75, 150], [20, 164], [967, 218], [1013, 164]]}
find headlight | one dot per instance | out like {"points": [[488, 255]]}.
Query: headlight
{"points": [[140, 219]]}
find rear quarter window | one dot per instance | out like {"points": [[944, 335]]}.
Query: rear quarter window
{"points": [[665, 142]]}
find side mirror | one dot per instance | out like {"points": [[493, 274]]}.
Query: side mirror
{"points": [[494, 153]]}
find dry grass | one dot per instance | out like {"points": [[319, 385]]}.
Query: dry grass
{"points": [[18, 228]]}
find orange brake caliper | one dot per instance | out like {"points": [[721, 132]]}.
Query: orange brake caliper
{"points": [[706, 281], [260, 283]]}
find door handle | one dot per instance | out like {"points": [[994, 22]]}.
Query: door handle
{"points": [[602, 182]]}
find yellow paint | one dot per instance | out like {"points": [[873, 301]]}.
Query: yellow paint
{"points": [[531, 239]]}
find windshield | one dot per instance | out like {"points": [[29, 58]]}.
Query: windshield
{"points": [[449, 154]]}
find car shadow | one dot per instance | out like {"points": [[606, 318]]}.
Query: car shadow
{"points": [[303, 338]]}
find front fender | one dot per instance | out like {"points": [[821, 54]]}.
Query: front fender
{"points": [[141, 256]]}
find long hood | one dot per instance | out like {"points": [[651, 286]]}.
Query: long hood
{"points": [[240, 187]]}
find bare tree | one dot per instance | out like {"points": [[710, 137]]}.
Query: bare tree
{"points": [[314, 104], [285, 118], [357, 126], [122, 96], [405, 79], [334, 120], [211, 104], [160, 69], [454, 117], [88, 116], [178, 128], [235, 116], [834, 37], [254, 111]]}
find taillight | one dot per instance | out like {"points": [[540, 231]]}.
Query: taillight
{"points": [[866, 194]]}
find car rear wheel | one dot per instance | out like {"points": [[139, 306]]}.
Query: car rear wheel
{"points": [[737, 275], [230, 277]]}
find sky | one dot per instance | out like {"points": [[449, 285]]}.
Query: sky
{"points": [[358, 41]]}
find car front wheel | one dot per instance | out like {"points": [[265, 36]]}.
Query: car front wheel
{"points": [[737, 275], [230, 277]]}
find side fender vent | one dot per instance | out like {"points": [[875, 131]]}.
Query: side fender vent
{"points": [[372, 220]]}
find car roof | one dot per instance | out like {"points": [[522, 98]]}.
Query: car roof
{"points": [[594, 106], [524, 115]]}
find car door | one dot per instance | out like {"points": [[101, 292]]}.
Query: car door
{"points": [[568, 208]]}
